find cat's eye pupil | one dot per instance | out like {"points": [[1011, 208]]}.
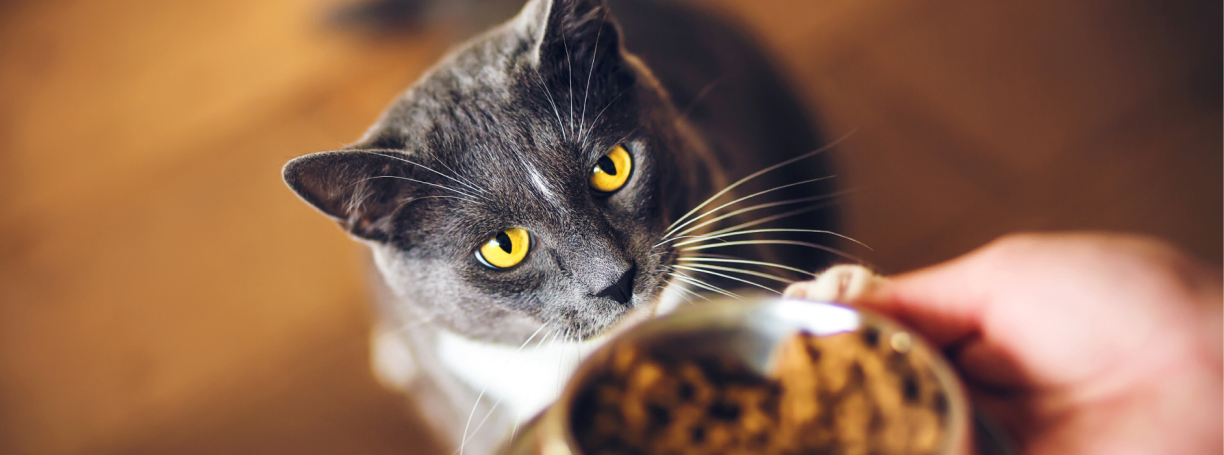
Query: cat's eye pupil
{"points": [[503, 241], [605, 164]]}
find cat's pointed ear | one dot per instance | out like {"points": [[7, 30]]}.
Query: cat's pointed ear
{"points": [[571, 34], [360, 190]]}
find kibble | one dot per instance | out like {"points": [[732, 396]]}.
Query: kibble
{"points": [[840, 394]]}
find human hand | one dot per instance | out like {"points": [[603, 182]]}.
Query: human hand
{"points": [[1078, 343]]}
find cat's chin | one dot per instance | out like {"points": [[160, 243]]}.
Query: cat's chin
{"points": [[625, 322], [661, 303]]}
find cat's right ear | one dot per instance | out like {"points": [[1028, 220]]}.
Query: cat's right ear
{"points": [[360, 190]]}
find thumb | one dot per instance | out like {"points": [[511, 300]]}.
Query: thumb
{"points": [[945, 302]]}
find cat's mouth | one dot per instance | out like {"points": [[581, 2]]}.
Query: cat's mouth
{"points": [[650, 295]]}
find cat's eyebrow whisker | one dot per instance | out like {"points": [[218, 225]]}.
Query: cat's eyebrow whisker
{"points": [[471, 197], [703, 258], [422, 166], [761, 172], [776, 242], [595, 122], [702, 284], [569, 64], [755, 208], [544, 88], [470, 184], [739, 270], [702, 238], [411, 200], [729, 277], [587, 91], [716, 209]]}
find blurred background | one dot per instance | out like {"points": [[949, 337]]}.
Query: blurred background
{"points": [[161, 291]]}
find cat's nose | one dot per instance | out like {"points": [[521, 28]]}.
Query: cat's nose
{"points": [[622, 290]]}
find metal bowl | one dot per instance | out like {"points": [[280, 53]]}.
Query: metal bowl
{"points": [[748, 332]]}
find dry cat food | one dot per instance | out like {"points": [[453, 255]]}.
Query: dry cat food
{"points": [[850, 393]]}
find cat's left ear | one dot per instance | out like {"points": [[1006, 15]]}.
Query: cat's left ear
{"points": [[360, 190], [572, 35]]}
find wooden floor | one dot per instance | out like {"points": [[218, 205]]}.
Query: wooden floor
{"points": [[161, 291]]}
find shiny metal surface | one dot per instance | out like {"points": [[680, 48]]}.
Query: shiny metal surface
{"points": [[747, 331]]}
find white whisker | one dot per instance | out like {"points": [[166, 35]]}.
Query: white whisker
{"points": [[596, 120], [770, 218], [702, 238], [729, 277], [753, 209], [759, 173], [587, 91], [460, 177], [569, 64], [472, 197], [478, 426], [775, 242], [738, 270], [557, 112], [702, 284], [453, 179], [463, 441], [702, 258], [707, 213]]}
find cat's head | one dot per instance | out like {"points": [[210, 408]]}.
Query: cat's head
{"points": [[524, 181]]}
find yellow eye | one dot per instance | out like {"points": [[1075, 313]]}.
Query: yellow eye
{"points": [[506, 249], [611, 171]]}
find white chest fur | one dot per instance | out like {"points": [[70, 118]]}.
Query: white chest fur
{"points": [[523, 380], [527, 379]]}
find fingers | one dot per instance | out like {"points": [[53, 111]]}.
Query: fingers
{"points": [[945, 302]]}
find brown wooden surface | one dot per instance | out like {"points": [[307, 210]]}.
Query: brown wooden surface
{"points": [[162, 292]]}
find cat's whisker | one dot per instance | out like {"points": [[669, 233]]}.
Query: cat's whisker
{"points": [[470, 184], [595, 122], [776, 242], [755, 208], [702, 238], [569, 64], [587, 91], [471, 197], [739, 270], [463, 441], [716, 209], [770, 218], [758, 174], [411, 200], [673, 239], [544, 88], [729, 277], [422, 166], [703, 258], [478, 426], [533, 335], [663, 288], [702, 284], [694, 294]]}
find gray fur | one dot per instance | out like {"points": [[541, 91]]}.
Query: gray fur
{"points": [[482, 116], [504, 132]]}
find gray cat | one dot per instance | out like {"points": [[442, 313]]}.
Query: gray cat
{"points": [[531, 195]]}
